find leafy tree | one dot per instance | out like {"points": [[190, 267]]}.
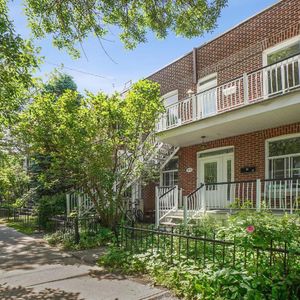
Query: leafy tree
{"points": [[40, 178], [17, 63], [13, 178], [71, 21], [58, 83], [99, 145]]}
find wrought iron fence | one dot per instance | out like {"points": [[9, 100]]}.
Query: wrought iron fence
{"points": [[177, 244]]}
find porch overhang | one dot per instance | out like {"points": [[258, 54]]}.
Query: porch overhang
{"points": [[269, 113]]}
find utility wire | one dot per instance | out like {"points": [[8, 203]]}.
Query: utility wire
{"points": [[79, 71]]}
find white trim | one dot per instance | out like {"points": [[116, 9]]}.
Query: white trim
{"points": [[220, 155], [215, 149], [279, 46], [207, 78], [276, 138], [170, 94]]}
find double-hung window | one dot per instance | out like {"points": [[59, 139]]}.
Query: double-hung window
{"points": [[170, 173], [283, 158], [283, 72]]}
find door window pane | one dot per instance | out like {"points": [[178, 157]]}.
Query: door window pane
{"points": [[211, 172]]}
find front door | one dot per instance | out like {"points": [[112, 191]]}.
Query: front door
{"points": [[215, 171]]}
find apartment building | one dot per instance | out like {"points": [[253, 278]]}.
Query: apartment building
{"points": [[233, 116]]}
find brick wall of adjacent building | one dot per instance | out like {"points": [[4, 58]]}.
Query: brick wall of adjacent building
{"points": [[249, 150], [235, 52]]}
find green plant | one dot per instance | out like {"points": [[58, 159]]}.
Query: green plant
{"points": [[48, 207]]}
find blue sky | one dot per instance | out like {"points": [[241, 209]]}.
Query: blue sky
{"points": [[129, 64]]}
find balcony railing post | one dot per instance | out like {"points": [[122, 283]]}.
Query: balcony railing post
{"points": [[185, 210], [245, 85], [156, 207], [258, 195], [194, 107], [282, 68]]}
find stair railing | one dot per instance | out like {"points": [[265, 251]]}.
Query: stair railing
{"points": [[166, 202], [194, 203]]}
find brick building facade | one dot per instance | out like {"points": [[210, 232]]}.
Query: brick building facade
{"points": [[238, 51]]}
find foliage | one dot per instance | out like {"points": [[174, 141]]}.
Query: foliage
{"points": [[13, 179], [88, 240], [50, 206], [72, 21], [97, 145], [213, 277], [17, 63], [58, 83], [24, 227]]}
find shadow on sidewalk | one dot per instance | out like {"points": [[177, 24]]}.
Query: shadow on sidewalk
{"points": [[11, 293]]}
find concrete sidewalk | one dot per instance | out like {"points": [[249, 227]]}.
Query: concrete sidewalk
{"points": [[30, 269]]}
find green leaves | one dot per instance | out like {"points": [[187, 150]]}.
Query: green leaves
{"points": [[71, 21], [17, 63], [95, 142]]}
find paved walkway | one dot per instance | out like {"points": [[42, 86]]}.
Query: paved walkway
{"points": [[30, 269]]}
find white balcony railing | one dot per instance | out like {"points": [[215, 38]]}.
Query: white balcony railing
{"points": [[270, 81]]}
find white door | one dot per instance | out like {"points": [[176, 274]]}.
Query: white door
{"points": [[207, 96], [216, 171]]}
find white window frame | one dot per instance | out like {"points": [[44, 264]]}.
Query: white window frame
{"points": [[277, 138], [168, 95], [162, 172], [277, 47], [198, 159]]}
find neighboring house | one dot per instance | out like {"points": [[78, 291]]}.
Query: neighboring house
{"points": [[233, 108]]}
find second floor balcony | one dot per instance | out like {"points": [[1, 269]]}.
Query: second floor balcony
{"points": [[224, 103]]}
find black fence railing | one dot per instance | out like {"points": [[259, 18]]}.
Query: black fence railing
{"points": [[205, 249]]}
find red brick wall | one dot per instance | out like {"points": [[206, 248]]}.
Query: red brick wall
{"points": [[235, 52], [249, 150]]}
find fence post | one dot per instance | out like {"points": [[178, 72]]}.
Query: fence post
{"points": [[245, 86], [184, 210], [68, 203], [156, 207], [76, 230], [258, 195]]}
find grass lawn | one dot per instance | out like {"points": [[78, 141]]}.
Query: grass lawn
{"points": [[26, 228]]}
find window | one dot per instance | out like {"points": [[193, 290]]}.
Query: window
{"points": [[283, 76], [170, 173], [207, 95], [284, 158], [170, 101]]}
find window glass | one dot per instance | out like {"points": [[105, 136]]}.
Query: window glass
{"points": [[217, 152], [170, 173], [211, 172], [284, 53], [284, 158], [170, 98], [284, 147]]}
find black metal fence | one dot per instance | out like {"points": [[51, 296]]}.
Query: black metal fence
{"points": [[180, 244], [71, 227]]}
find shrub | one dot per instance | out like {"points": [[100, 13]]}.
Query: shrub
{"points": [[48, 207]]}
